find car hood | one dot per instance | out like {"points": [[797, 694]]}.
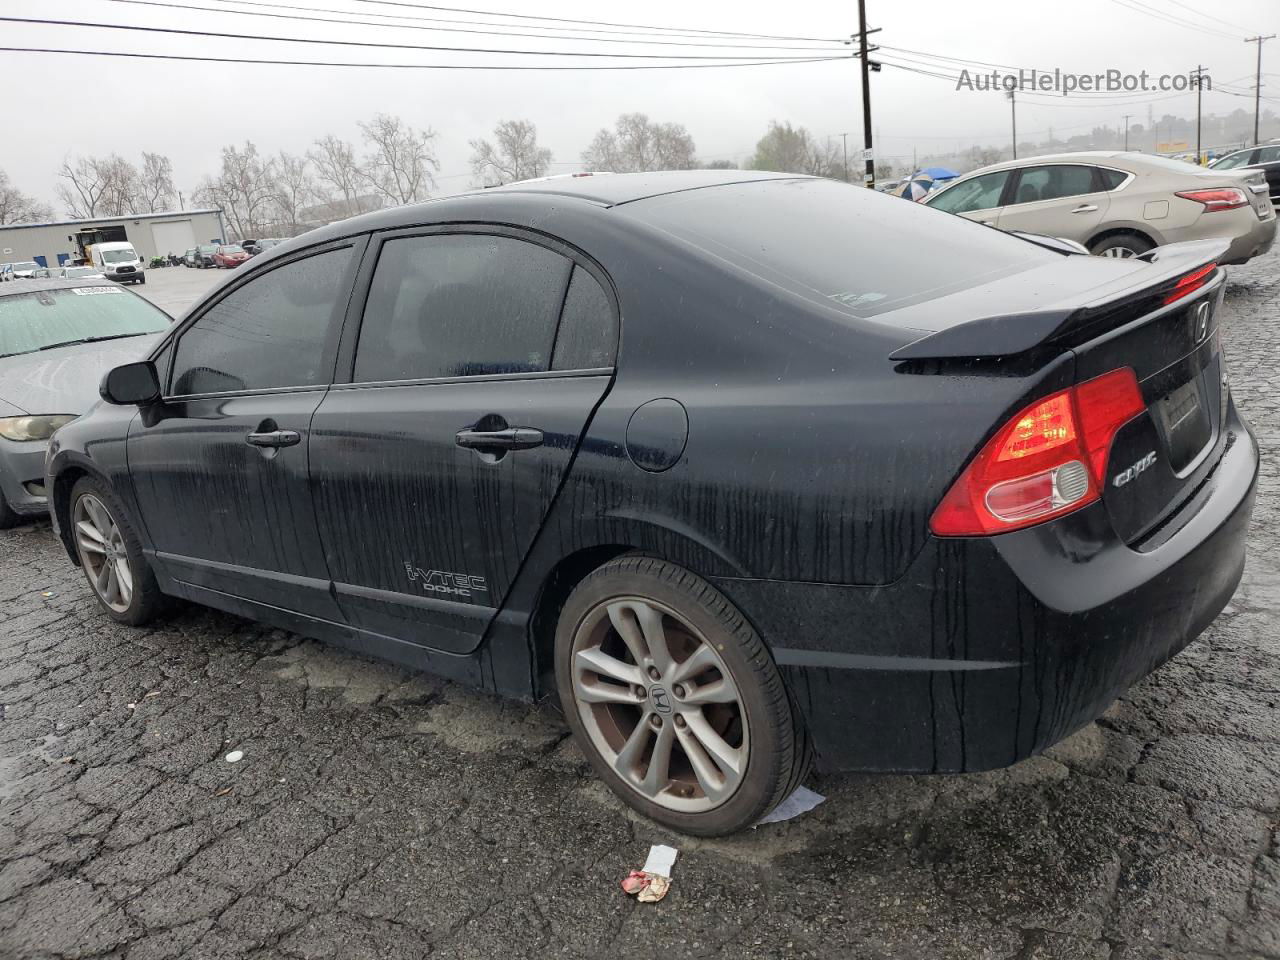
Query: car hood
{"points": [[65, 380]]}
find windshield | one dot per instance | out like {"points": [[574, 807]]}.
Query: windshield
{"points": [[206, 248], [118, 256], [231, 248], [30, 321], [837, 245], [25, 265]]}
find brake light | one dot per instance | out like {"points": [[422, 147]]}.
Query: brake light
{"points": [[1190, 283], [1222, 198], [1047, 461]]}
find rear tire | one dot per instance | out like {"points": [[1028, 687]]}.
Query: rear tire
{"points": [[111, 555], [1123, 246], [674, 698]]}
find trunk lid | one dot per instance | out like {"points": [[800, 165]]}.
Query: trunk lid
{"points": [[1139, 318]]}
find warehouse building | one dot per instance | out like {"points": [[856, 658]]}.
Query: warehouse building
{"points": [[152, 234]]}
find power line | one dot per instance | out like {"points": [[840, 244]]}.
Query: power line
{"points": [[416, 66], [1233, 26], [595, 23], [381, 46], [485, 23], [495, 33], [1138, 7]]}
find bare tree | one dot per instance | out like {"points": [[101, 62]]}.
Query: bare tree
{"points": [[244, 189], [87, 179], [155, 183], [401, 161], [120, 194], [637, 144], [18, 207], [338, 169], [295, 187], [516, 156]]}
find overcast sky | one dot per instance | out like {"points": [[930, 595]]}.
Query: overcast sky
{"points": [[57, 105]]}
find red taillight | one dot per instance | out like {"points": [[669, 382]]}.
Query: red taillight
{"points": [[1048, 460], [1223, 198], [1189, 284]]}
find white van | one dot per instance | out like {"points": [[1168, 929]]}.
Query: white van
{"points": [[118, 261]]}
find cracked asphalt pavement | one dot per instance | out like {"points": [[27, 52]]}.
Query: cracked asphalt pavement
{"points": [[382, 814]]}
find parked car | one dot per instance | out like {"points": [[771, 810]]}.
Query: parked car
{"points": [[812, 499], [262, 246], [57, 339], [1264, 157], [189, 258], [250, 246], [76, 273], [1118, 204], [22, 270], [204, 255], [5, 269], [43, 273], [119, 261], [229, 255]]}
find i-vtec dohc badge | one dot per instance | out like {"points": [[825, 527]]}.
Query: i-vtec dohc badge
{"points": [[1124, 476], [445, 582]]}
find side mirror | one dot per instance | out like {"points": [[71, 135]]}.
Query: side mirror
{"points": [[131, 384]]}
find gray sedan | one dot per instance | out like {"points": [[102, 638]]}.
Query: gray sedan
{"points": [[57, 339]]}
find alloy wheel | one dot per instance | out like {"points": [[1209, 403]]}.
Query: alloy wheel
{"points": [[1119, 253], [659, 704], [103, 553]]}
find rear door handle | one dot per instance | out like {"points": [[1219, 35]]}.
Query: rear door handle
{"points": [[509, 438], [274, 438], [1085, 208]]}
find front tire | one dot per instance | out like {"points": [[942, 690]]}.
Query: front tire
{"points": [[675, 699], [111, 555]]}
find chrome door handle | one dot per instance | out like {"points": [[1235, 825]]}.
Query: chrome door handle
{"points": [[274, 438], [511, 438], [1085, 208]]}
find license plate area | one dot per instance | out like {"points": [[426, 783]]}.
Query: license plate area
{"points": [[1182, 417]]}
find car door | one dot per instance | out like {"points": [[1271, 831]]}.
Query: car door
{"points": [[1058, 200], [1269, 160], [977, 198], [480, 356], [219, 468]]}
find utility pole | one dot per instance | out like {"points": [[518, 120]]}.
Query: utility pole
{"points": [[1257, 90], [844, 137], [1013, 110], [870, 176], [1126, 131], [1199, 75]]}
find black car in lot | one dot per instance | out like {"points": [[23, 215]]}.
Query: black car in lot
{"points": [[1264, 157], [749, 469]]}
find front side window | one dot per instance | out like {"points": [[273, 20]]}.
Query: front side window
{"points": [[1233, 160], [271, 332], [980, 193], [1053, 182], [457, 305]]}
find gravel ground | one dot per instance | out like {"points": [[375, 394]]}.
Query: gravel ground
{"points": [[388, 815]]}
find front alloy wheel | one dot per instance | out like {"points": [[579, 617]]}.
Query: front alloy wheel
{"points": [[103, 553], [660, 705]]}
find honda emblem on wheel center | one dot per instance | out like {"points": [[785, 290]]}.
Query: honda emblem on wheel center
{"points": [[658, 697]]}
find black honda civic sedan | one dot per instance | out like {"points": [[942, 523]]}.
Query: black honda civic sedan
{"points": [[751, 470]]}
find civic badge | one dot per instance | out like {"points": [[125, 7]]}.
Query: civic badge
{"points": [[1200, 322]]}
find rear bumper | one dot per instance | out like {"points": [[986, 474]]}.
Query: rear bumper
{"points": [[990, 650], [1253, 243]]}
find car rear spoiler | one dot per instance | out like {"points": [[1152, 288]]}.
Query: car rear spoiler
{"points": [[1008, 335]]}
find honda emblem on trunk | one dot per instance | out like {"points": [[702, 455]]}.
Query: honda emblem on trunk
{"points": [[1200, 322]]}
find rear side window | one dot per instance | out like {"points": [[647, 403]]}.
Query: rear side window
{"points": [[588, 335], [1053, 182], [1110, 179], [271, 332], [856, 251], [1268, 155], [458, 305]]}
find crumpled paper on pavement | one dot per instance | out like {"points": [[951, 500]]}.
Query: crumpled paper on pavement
{"points": [[650, 884]]}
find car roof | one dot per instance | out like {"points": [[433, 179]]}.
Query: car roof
{"points": [[611, 189], [53, 283]]}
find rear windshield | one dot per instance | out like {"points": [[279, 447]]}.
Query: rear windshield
{"points": [[25, 265], [854, 250], [231, 248], [43, 318]]}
